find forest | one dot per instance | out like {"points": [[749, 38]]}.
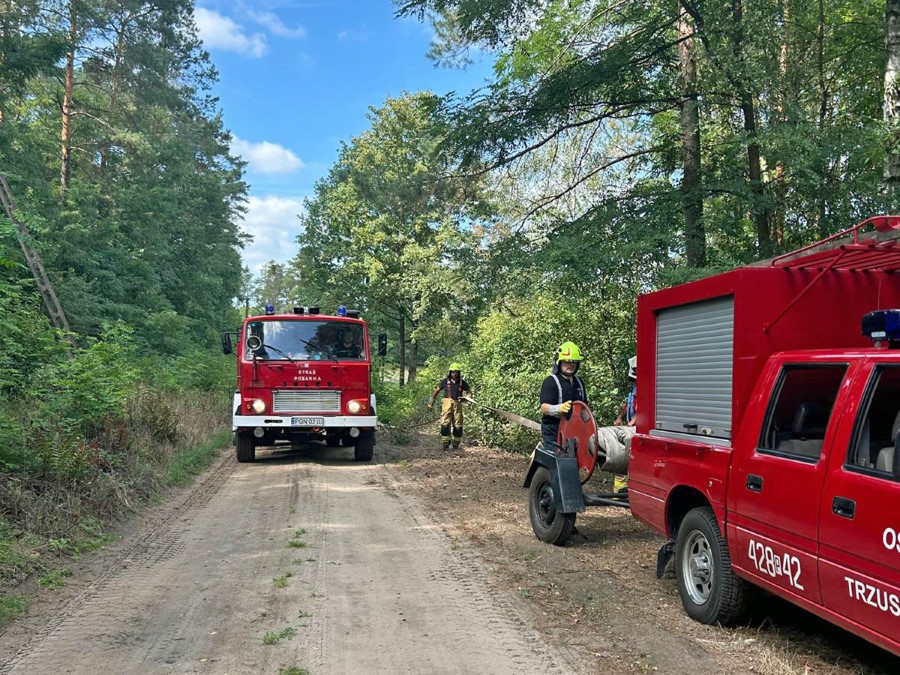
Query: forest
{"points": [[620, 147]]}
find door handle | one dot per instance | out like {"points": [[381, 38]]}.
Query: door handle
{"points": [[845, 508], [754, 483]]}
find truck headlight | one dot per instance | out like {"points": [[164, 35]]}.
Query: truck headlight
{"points": [[354, 407], [259, 406]]}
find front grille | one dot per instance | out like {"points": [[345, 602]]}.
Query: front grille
{"points": [[306, 401]]}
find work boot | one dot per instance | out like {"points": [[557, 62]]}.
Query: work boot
{"points": [[454, 445], [445, 445]]}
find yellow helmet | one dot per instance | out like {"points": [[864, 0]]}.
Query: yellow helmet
{"points": [[454, 366], [568, 351]]}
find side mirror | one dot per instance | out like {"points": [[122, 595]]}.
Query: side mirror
{"points": [[254, 343], [227, 347], [382, 344]]}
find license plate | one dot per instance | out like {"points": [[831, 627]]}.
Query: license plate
{"points": [[308, 421]]}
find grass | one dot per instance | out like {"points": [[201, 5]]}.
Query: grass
{"points": [[293, 671], [281, 582], [273, 638], [55, 578], [296, 541], [193, 461], [303, 615], [11, 606]]}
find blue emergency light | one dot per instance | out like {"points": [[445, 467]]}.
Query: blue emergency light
{"points": [[342, 311], [883, 325], [270, 308]]}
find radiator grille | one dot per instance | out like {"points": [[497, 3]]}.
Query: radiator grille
{"points": [[307, 401]]}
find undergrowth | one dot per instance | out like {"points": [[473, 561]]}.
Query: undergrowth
{"points": [[99, 433]]}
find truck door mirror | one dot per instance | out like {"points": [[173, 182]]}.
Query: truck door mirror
{"points": [[227, 347], [382, 344]]}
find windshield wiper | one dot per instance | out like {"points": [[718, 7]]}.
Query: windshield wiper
{"points": [[275, 349], [318, 349]]}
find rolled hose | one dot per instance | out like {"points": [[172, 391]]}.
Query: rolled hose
{"points": [[614, 448]]}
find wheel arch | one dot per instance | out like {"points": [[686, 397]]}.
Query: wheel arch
{"points": [[682, 500]]}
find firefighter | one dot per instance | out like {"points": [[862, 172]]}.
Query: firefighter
{"points": [[559, 390], [627, 417], [454, 387]]}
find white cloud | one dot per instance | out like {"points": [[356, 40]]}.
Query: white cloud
{"points": [[352, 35], [276, 26], [273, 223], [265, 157], [220, 32]]}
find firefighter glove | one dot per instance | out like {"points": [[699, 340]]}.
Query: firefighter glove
{"points": [[561, 409]]}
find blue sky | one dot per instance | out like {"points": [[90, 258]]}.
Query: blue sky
{"points": [[295, 79]]}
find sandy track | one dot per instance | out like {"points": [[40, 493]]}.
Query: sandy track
{"points": [[374, 586]]}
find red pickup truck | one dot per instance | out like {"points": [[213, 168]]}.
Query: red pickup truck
{"points": [[768, 422]]}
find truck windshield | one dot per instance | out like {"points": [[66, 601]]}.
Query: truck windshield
{"points": [[307, 340]]}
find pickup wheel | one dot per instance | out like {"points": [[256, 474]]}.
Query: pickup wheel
{"points": [[365, 446], [245, 450], [710, 590], [548, 524]]}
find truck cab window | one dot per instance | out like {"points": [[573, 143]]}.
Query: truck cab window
{"points": [[800, 409], [878, 423]]}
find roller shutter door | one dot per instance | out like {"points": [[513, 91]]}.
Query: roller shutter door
{"points": [[694, 349]]}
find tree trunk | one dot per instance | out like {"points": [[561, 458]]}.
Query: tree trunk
{"points": [[413, 360], [823, 169], [65, 169], [892, 95], [694, 233], [778, 216], [758, 208], [402, 347]]}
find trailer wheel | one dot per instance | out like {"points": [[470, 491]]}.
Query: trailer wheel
{"points": [[365, 447], [332, 440], [244, 448], [548, 524], [710, 590]]}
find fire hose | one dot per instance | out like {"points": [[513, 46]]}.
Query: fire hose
{"points": [[607, 448]]}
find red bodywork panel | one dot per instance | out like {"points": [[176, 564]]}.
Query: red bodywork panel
{"points": [[788, 535]]}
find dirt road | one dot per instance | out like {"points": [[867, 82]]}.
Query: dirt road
{"points": [[315, 554], [420, 562]]}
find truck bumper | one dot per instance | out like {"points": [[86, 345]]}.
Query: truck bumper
{"points": [[278, 421]]}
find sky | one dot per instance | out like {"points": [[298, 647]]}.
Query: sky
{"points": [[298, 77]]}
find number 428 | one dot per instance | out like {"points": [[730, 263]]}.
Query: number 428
{"points": [[771, 564]]}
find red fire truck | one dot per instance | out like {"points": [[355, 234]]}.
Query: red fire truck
{"points": [[303, 376], [767, 443]]}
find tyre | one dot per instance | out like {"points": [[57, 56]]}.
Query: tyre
{"points": [[365, 447], [548, 524], [709, 589], [332, 440], [245, 449]]}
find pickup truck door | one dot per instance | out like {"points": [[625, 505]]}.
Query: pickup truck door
{"points": [[778, 473], [859, 531]]}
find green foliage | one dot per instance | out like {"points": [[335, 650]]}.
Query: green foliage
{"points": [[11, 606], [282, 581], [78, 394], [272, 637], [55, 578], [515, 351], [193, 461]]}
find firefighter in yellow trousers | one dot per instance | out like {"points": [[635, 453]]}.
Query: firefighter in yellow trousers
{"points": [[454, 388]]}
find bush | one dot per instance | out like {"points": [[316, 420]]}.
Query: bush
{"points": [[515, 350]]}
